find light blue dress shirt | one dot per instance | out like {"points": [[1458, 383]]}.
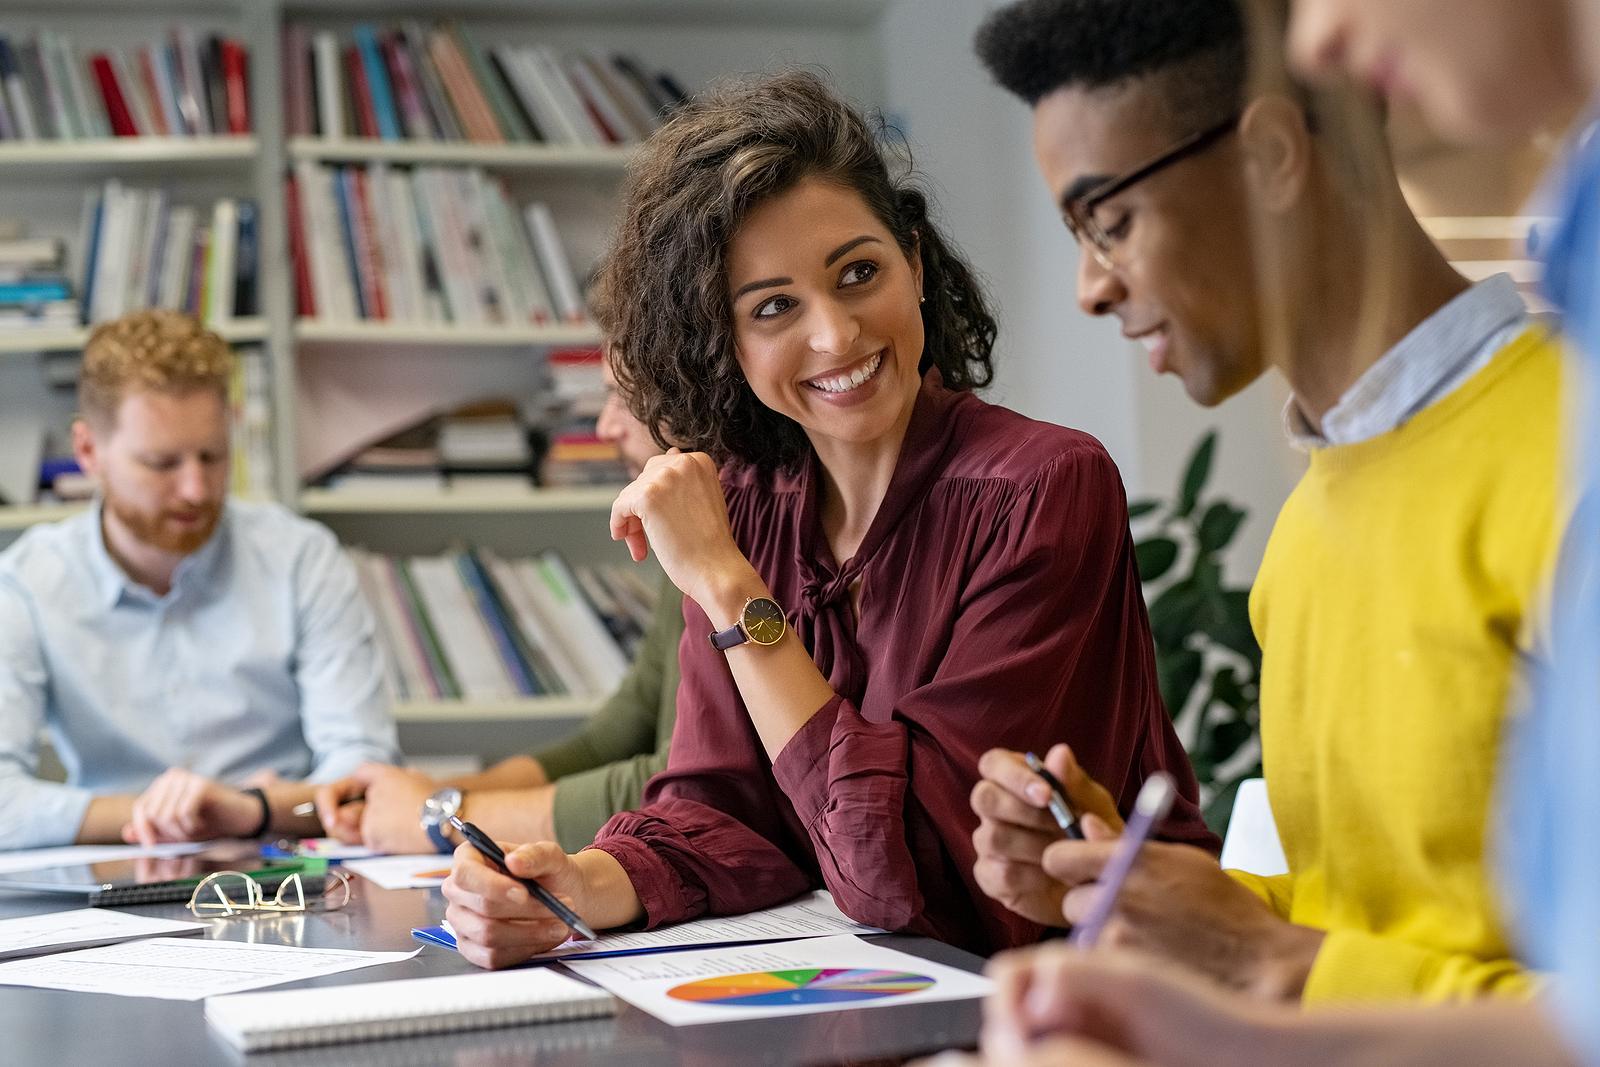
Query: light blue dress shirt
{"points": [[1550, 840], [1429, 363], [260, 657]]}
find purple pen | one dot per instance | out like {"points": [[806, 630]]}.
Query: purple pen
{"points": [[1149, 808]]}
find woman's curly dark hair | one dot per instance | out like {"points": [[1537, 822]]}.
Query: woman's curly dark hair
{"points": [[661, 295]]}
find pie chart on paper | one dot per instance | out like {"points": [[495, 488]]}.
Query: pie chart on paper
{"points": [[807, 986]]}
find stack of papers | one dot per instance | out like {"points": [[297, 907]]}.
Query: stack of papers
{"points": [[31, 935], [171, 969]]}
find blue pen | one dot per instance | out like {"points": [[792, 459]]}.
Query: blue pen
{"points": [[1149, 808]]}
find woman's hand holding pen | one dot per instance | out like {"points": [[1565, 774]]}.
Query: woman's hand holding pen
{"points": [[498, 923], [676, 508], [1015, 827]]}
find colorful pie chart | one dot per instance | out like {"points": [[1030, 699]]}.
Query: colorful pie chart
{"points": [[812, 985]]}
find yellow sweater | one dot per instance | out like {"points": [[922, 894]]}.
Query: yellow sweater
{"points": [[1400, 585]]}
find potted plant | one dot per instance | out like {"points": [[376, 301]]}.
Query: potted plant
{"points": [[1206, 654]]}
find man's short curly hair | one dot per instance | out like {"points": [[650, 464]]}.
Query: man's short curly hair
{"points": [[662, 291], [1205, 56], [156, 351]]}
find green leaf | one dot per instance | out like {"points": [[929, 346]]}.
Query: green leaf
{"points": [[1194, 479], [1226, 739], [1232, 629], [1178, 672], [1173, 614], [1155, 557], [1221, 521], [1140, 508]]}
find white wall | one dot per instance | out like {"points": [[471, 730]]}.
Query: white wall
{"points": [[972, 143]]}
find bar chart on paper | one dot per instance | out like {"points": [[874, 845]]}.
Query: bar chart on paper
{"points": [[814, 985]]}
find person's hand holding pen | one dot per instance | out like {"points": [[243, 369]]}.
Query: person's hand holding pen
{"points": [[1016, 825], [499, 923]]}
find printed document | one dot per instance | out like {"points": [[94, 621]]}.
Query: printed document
{"points": [[403, 872], [820, 974], [173, 969], [815, 915], [35, 859], [58, 931]]}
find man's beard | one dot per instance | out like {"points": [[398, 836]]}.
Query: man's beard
{"points": [[158, 532]]}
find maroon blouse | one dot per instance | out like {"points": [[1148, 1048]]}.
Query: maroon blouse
{"points": [[999, 607]]}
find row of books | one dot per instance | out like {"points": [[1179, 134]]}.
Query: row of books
{"points": [[142, 250], [577, 455], [445, 84], [427, 245], [181, 87], [473, 625], [38, 465], [35, 291], [477, 448]]}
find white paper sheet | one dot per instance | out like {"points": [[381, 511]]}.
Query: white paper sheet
{"points": [[33, 859], [403, 872], [815, 915], [173, 969], [30, 935], [726, 984]]}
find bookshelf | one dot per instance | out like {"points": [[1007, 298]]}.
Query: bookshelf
{"points": [[325, 375], [532, 708], [319, 332], [125, 154], [235, 331], [515, 157]]}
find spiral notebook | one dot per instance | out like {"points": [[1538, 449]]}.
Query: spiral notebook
{"points": [[367, 1011]]}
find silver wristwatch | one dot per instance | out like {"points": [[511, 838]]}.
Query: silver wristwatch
{"points": [[436, 812]]}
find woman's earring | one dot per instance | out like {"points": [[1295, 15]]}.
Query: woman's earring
{"points": [[922, 300]]}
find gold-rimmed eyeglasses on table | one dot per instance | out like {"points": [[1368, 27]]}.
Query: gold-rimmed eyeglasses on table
{"points": [[227, 893]]}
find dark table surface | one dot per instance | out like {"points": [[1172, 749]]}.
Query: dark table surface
{"points": [[50, 1028]]}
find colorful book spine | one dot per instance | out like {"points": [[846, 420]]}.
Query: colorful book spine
{"points": [[236, 86], [305, 296], [385, 118], [499, 626]]}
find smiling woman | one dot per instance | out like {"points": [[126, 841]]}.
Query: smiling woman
{"points": [[885, 576]]}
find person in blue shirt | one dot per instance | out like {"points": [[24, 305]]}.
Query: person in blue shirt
{"points": [[1476, 69], [191, 657]]}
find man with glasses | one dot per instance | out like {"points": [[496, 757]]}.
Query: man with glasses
{"points": [[1234, 224]]}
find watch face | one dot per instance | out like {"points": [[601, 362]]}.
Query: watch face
{"points": [[763, 621]]}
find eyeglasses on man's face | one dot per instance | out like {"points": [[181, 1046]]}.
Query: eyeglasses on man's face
{"points": [[1094, 221]]}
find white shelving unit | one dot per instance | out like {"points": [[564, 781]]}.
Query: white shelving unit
{"points": [[432, 335], [510, 157], [701, 41], [236, 331], [532, 708], [322, 502], [125, 153]]}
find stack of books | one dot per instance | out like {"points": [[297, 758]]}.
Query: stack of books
{"points": [[445, 84], [180, 87], [577, 456], [35, 291], [144, 251], [482, 447], [473, 625], [429, 245]]}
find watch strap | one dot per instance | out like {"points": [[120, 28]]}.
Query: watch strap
{"points": [[733, 636], [441, 843]]}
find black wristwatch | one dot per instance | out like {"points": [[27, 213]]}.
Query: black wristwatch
{"points": [[761, 622]]}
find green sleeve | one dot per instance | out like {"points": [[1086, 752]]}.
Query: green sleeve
{"points": [[603, 769]]}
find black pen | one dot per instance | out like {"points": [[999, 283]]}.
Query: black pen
{"points": [[1060, 809], [491, 851]]}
